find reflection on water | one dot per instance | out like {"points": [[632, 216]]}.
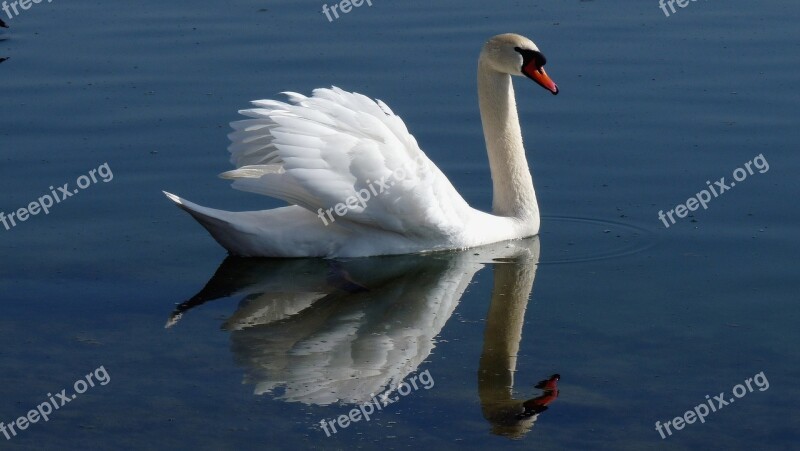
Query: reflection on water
{"points": [[320, 332], [510, 417]]}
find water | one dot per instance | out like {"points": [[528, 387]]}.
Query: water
{"points": [[640, 321]]}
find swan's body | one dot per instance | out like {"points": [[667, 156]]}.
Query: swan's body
{"points": [[328, 149]]}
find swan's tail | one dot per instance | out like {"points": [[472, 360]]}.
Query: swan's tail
{"points": [[220, 224], [290, 231]]}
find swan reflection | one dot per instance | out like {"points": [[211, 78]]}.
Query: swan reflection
{"points": [[321, 332]]}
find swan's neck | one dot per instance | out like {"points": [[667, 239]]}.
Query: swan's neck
{"points": [[514, 195]]}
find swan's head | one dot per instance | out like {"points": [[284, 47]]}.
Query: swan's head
{"points": [[517, 55]]}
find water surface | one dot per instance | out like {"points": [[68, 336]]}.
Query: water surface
{"points": [[640, 321]]}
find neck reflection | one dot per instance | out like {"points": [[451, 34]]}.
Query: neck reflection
{"points": [[508, 416]]}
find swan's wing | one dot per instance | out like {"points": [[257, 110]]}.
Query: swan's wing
{"points": [[323, 150]]}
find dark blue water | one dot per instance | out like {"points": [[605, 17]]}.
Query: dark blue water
{"points": [[640, 321]]}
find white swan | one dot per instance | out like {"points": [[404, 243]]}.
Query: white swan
{"points": [[358, 182]]}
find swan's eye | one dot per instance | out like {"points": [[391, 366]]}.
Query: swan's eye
{"points": [[531, 55]]}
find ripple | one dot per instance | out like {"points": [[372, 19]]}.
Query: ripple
{"points": [[570, 240]]}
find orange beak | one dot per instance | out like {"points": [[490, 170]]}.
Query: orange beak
{"points": [[538, 75]]}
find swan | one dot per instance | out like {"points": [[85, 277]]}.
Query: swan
{"points": [[357, 182]]}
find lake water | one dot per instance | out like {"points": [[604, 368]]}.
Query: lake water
{"points": [[640, 321]]}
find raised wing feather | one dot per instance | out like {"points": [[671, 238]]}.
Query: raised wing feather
{"points": [[331, 148]]}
